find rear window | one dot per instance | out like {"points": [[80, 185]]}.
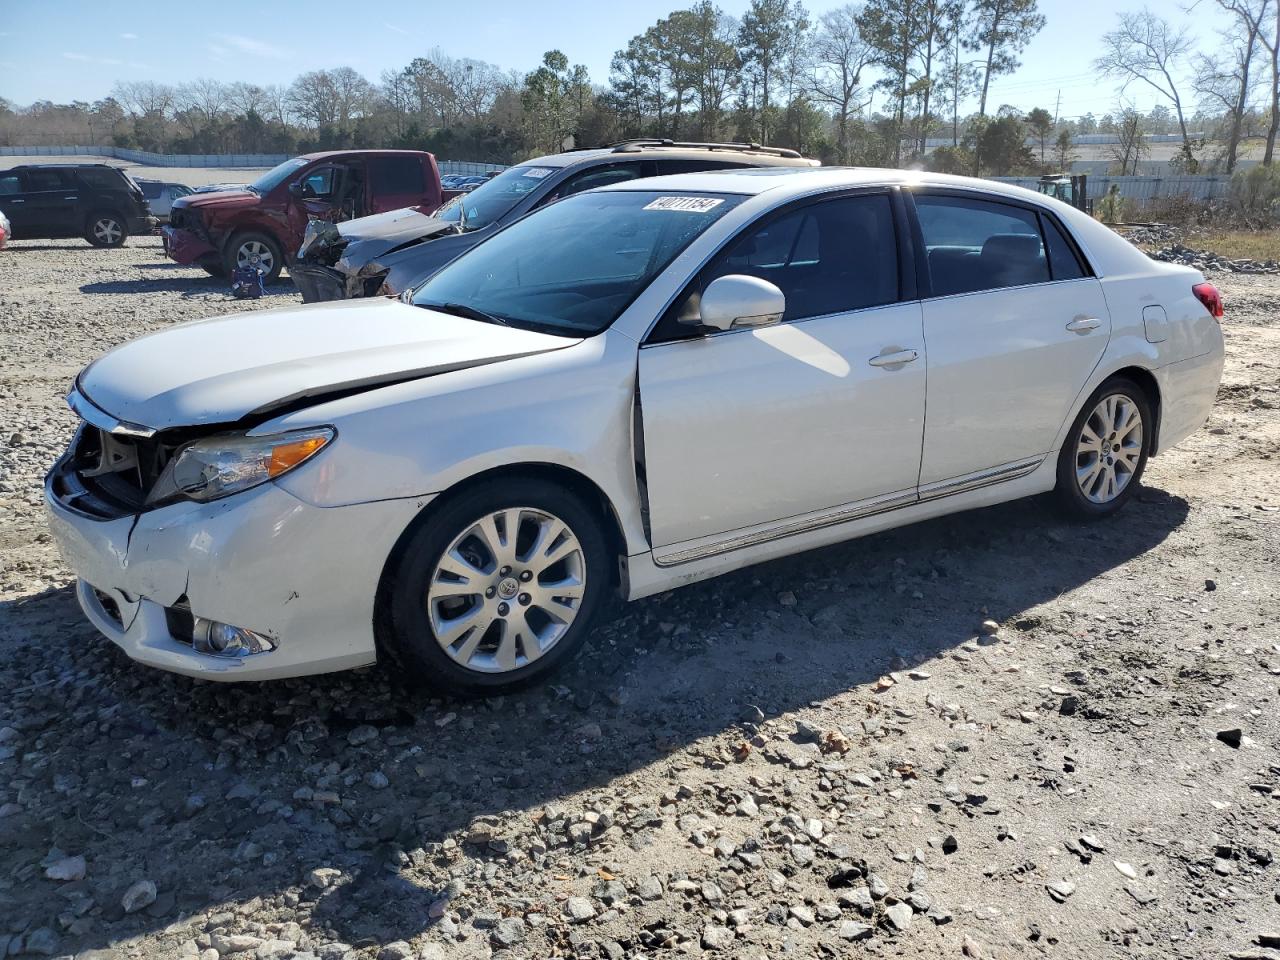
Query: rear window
{"points": [[103, 179], [397, 176]]}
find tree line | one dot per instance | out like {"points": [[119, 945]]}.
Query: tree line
{"points": [[869, 83]]}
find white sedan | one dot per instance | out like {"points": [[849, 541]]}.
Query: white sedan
{"points": [[627, 391]]}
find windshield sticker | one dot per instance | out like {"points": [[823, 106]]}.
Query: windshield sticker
{"points": [[685, 204], [537, 172]]}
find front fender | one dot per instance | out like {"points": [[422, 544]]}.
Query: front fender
{"points": [[570, 408]]}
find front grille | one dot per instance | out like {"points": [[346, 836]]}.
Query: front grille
{"points": [[108, 476]]}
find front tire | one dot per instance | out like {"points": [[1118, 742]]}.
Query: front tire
{"points": [[497, 589], [1106, 450], [244, 246], [106, 229]]}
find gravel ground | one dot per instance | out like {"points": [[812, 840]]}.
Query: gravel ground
{"points": [[825, 756]]}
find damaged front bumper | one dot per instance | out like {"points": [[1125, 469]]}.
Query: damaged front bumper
{"points": [[319, 283], [183, 246], [304, 576]]}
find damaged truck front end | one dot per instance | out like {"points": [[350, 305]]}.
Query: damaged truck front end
{"points": [[345, 261]]}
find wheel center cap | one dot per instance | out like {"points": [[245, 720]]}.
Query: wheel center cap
{"points": [[508, 587]]}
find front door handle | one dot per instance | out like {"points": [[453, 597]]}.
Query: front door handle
{"points": [[70, 198], [1084, 324], [895, 359]]}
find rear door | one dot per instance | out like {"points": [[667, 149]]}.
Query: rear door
{"points": [[396, 181], [1015, 325], [752, 426]]}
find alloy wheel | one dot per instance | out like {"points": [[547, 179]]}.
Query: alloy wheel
{"points": [[107, 230], [1109, 451], [252, 248], [506, 590]]}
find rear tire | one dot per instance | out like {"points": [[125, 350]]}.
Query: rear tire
{"points": [[497, 589], [244, 245], [104, 228], [1105, 451]]}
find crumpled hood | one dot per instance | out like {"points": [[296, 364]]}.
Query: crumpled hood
{"points": [[249, 365], [219, 199], [369, 237]]}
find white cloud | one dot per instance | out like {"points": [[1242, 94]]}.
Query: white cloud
{"points": [[104, 61], [128, 36], [246, 45]]}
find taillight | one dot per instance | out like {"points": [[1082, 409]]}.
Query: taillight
{"points": [[1208, 294]]}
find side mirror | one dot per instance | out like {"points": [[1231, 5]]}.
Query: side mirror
{"points": [[737, 300], [295, 189]]}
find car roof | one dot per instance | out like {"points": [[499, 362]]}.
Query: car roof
{"points": [[64, 166], [326, 154], [741, 152], [789, 181]]}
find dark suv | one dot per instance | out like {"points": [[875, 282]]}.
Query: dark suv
{"points": [[91, 200], [385, 254]]}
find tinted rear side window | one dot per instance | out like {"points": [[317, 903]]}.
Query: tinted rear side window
{"points": [[1063, 262], [976, 244], [9, 183], [105, 180], [151, 190], [397, 176]]}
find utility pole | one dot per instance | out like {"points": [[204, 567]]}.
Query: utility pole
{"points": [[1055, 108]]}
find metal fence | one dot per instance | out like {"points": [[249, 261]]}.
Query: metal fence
{"points": [[1145, 190], [147, 159]]}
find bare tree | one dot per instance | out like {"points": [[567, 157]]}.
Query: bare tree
{"points": [[246, 98], [840, 56], [144, 97], [1148, 50], [1227, 80], [1272, 46], [1131, 140], [313, 99]]}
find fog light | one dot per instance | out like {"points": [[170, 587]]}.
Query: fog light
{"points": [[216, 639]]}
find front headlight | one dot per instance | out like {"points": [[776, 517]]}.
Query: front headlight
{"points": [[229, 463]]}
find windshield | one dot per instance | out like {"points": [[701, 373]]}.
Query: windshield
{"points": [[490, 201], [277, 175], [574, 266]]}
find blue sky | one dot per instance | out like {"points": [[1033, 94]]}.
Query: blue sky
{"points": [[62, 50]]}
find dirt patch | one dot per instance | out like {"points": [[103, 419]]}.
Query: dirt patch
{"points": [[821, 756]]}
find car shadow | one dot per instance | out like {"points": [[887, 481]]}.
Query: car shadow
{"points": [[666, 672], [187, 286]]}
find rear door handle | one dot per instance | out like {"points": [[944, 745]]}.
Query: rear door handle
{"points": [[1084, 324], [70, 198], [895, 359]]}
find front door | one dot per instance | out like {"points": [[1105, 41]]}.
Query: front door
{"points": [[753, 426], [52, 205], [13, 202], [1015, 326]]}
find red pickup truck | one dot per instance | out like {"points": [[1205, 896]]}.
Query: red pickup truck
{"points": [[225, 229]]}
